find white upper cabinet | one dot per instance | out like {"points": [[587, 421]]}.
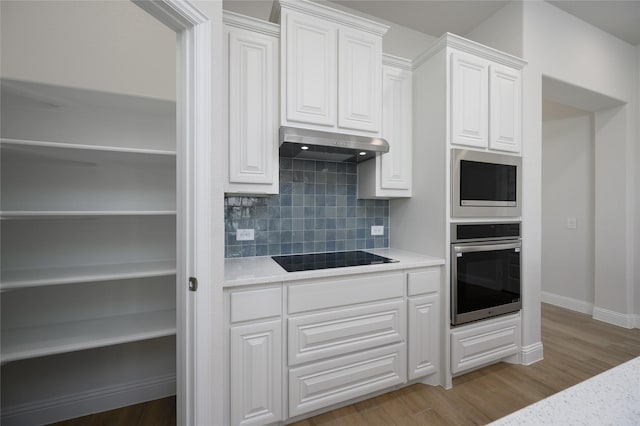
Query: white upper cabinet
{"points": [[390, 175], [505, 86], [359, 80], [252, 49], [332, 69], [310, 85], [485, 96], [469, 100]]}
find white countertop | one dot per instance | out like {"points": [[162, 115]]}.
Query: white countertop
{"points": [[610, 398], [261, 270]]}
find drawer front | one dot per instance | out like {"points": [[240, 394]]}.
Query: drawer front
{"points": [[345, 291], [475, 346], [422, 282], [256, 304], [328, 334], [330, 382]]}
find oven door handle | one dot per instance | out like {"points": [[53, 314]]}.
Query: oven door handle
{"points": [[486, 247]]}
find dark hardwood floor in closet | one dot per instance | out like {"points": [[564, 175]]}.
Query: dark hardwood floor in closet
{"points": [[576, 347]]}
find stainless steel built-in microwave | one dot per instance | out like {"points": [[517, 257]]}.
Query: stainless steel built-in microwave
{"points": [[485, 184]]}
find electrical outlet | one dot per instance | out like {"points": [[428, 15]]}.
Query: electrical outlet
{"points": [[244, 235], [572, 223], [377, 230]]}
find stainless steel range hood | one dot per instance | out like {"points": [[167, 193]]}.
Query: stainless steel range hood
{"points": [[325, 146]]}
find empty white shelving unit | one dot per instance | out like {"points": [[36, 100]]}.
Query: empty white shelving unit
{"points": [[88, 244]]}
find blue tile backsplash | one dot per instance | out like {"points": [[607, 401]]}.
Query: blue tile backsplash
{"points": [[316, 211]]}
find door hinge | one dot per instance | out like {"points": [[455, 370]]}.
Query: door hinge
{"points": [[193, 283]]}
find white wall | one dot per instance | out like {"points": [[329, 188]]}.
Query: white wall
{"points": [[111, 46], [502, 30], [560, 46], [568, 192]]}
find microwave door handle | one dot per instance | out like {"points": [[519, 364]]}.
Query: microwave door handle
{"points": [[490, 247]]}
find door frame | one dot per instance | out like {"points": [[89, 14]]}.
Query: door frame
{"points": [[199, 205]]}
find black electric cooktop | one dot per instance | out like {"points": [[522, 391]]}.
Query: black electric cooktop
{"points": [[338, 259]]}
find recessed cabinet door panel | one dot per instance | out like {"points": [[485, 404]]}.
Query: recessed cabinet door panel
{"points": [[253, 108], [506, 110], [359, 80], [338, 332], [424, 336], [396, 129], [311, 70], [322, 384], [470, 100], [256, 373]]}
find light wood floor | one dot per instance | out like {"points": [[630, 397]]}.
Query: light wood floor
{"points": [[576, 347]]}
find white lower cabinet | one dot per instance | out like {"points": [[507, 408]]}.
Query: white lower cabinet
{"points": [[256, 373], [476, 345], [344, 337], [424, 335], [333, 381]]}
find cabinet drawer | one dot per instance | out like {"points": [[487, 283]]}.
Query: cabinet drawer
{"points": [[474, 346], [256, 304], [312, 337], [346, 291], [330, 382], [421, 282]]}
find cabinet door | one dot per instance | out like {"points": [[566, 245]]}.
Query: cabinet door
{"points": [[469, 100], [310, 77], [505, 108], [483, 343], [253, 112], [395, 166], [359, 80], [256, 373], [424, 336]]}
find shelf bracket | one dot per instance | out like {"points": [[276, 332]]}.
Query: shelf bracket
{"points": [[193, 283]]}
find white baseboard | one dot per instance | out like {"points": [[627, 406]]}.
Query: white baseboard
{"points": [[567, 302], [89, 402], [531, 354], [636, 321], [615, 318]]}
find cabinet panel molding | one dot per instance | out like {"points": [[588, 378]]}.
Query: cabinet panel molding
{"points": [[505, 130], [256, 373], [474, 346], [424, 335], [359, 80], [330, 382], [312, 337], [253, 111], [470, 100], [310, 83]]}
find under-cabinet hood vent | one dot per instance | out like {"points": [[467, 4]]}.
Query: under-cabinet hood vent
{"points": [[306, 144]]}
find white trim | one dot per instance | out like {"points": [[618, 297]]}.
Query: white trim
{"points": [[249, 23], [567, 302], [464, 45], [612, 317], [323, 12], [88, 402], [199, 199], [636, 321], [531, 354], [397, 62]]}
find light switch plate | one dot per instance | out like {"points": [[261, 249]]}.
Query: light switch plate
{"points": [[244, 235], [377, 230]]}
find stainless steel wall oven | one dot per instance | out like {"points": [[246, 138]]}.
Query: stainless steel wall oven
{"points": [[485, 270]]}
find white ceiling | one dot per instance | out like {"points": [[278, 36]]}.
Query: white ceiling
{"points": [[435, 17]]}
